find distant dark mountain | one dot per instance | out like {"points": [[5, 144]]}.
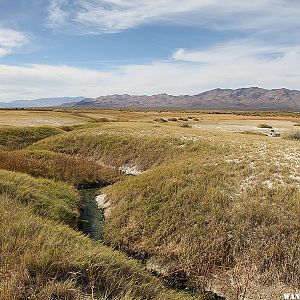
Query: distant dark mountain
{"points": [[43, 102], [253, 98]]}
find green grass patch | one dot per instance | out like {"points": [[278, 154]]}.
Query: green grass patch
{"points": [[21, 137], [55, 200]]}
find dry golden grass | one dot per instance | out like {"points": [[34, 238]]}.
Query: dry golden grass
{"points": [[214, 210], [148, 115]]}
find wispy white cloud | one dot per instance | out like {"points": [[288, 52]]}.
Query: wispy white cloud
{"points": [[10, 40], [233, 52], [187, 73], [56, 13], [106, 16]]}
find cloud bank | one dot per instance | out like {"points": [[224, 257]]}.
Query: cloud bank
{"points": [[229, 65]]}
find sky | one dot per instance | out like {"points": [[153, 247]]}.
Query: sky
{"points": [[57, 48]]}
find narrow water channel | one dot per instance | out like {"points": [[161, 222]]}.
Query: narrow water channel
{"points": [[91, 217], [91, 223]]}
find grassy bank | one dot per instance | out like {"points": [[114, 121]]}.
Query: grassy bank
{"points": [[75, 170], [54, 200], [194, 219], [143, 145]]}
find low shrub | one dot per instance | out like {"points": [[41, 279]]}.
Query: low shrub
{"points": [[161, 120], [293, 135], [264, 126], [186, 125]]}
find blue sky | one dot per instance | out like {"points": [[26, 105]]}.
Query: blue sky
{"points": [[51, 48]]}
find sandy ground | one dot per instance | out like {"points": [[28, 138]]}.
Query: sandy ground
{"points": [[248, 125]]}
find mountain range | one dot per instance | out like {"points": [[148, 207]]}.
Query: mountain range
{"points": [[41, 102], [253, 98]]}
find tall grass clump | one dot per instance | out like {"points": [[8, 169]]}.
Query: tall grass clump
{"points": [[55, 200], [75, 170], [21, 137]]}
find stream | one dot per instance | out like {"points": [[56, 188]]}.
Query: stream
{"points": [[91, 217]]}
